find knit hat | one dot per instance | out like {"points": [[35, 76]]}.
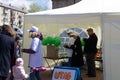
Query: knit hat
{"points": [[70, 31], [75, 34], [33, 29]]}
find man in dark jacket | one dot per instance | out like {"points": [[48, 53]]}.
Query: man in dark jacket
{"points": [[7, 50], [90, 50]]}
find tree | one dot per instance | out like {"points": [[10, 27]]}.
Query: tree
{"points": [[34, 8]]}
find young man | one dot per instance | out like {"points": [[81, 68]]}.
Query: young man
{"points": [[90, 50]]}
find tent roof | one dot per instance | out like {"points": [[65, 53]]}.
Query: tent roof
{"points": [[85, 11], [85, 6]]}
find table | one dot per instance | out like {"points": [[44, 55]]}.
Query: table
{"points": [[55, 60], [101, 63]]}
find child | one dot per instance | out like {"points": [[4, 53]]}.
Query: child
{"points": [[18, 70]]}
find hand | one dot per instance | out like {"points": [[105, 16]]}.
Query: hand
{"points": [[65, 45], [29, 51], [23, 50]]}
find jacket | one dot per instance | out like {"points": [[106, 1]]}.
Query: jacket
{"points": [[77, 55], [91, 44], [18, 70], [19, 73], [7, 51]]}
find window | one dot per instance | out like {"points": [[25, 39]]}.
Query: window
{"points": [[65, 38]]}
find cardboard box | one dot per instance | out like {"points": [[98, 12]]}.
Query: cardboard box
{"points": [[52, 52]]}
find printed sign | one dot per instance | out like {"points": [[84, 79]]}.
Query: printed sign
{"points": [[65, 73]]}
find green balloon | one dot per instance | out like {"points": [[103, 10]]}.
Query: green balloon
{"points": [[57, 41], [50, 40], [44, 41]]}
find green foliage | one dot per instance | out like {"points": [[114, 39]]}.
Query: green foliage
{"points": [[34, 8], [49, 40]]}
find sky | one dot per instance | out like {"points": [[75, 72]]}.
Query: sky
{"points": [[42, 3]]}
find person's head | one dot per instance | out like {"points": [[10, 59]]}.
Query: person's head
{"points": [[18, 31], [33, 32], [90, 31], [74, 35], [70, 32], [8, 30], [19, 62]]}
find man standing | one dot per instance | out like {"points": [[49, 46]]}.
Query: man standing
{"points": [[90, 50]]}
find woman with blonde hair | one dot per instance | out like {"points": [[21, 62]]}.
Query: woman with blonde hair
{"points": [[35, 53]]}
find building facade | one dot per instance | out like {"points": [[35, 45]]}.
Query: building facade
{"points": [[11, 15], [63, 3]]}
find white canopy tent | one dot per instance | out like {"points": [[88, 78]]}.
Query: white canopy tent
{"points": [[85, 8], [104, 12]]}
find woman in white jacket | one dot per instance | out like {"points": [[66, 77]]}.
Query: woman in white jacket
{"points": [[18, 70], [70, 42]]}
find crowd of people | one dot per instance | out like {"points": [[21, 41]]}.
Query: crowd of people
{"points": [[10, 60], [11, 63]]}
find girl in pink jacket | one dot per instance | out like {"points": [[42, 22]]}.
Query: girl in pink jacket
{"points": [[18, 70]]}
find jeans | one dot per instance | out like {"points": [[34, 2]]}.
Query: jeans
{"points": [[35, 74], [91, 63]]}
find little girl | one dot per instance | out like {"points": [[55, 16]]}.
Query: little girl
{"points": [[18, 70]]}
